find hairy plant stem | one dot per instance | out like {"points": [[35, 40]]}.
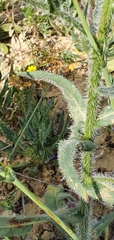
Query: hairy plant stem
{"points": [[85, 209], [84, 229], [85, 25], [97, 63], [100, 36], [104, 22], [91, 114]]}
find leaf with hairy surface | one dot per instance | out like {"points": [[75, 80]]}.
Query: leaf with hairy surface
{"points": [[76, 103], [101, 188], [101, 225], [106, 117], [107, 91], [66, 154]]}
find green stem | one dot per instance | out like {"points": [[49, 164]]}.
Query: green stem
{"points": [[85, 26], [85, 209], [108, 83], [85, 224], [106, 233], [97, 64], [101, 34], [106, 75], [44, 207], [10, 176], [91, 115]]}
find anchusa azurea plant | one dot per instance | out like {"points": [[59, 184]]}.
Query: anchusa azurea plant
{"points": [[95, 21]]}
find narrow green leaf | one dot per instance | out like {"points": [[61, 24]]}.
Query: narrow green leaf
{"points": [[67, 149], [11, 174], [55, 199], [107, 91], [2, 179], [49, 129], [72, 20], [9, 222], [8, 97], [100, 226], [17, 232], [106, 117], [102, 178], [5, 147], [9, 134], [76, 103], [5, 88], [61, 121], [19, 225]]}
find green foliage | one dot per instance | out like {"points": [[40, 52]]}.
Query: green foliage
{"points": [[107, 91], [101, 225], [3, 48], [59, 10], [57, 199], [9, 134], [18, 226], [39, 138], [5, 30], [68, 57], [66, 155], [8, 174], [84, 114], [2, 6], [5, 98], [40, 21], [9, 231], [7, 203], [40, 132], [106, 117], [76, 103]]}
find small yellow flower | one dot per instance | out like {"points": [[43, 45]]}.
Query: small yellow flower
{"points": [[31, 68]]}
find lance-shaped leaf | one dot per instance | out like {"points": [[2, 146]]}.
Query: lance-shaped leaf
{"points": [[8, 229], [9, 134], [66, 154], [101, 188], [105, 118], [104, 179], [55, 199], [100, 226], [106, 91], [76, 103], [19, 225]]}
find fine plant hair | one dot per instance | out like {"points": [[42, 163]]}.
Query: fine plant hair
{"points": [[86, 120]]}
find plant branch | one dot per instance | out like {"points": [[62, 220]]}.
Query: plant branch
{"points": [[11, 177], [85, 25], [101, 34]]}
